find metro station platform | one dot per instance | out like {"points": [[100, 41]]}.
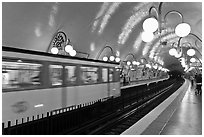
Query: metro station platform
{"points": [[180, 114]]}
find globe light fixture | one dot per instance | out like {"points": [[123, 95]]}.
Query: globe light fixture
{"points": [[54, 50], [105, 58], [182, 29], [178, 54], [192, 60], [155, 66], [148, 65], [112, 58], [191, 52], [117, 59], [72, 53], [147, 36], [128, 63], [134, 62], [68, 48], [172, 52], [137, 63], [150, 25]]}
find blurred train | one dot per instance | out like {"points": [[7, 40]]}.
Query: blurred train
{"points": [[36, 82]]}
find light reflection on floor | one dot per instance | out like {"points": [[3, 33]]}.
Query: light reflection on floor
{"points": [[187, 119]]}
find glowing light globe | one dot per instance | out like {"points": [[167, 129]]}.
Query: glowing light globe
{"points": [[128, 63], [147, 36], [117, 59], [68, 48], [54, 50], [148, 65], [105, 58], [155, 66], [150, 25], [160, 68], [192, 60], [182, 29], [191, 52], [134, 62], [137, 63], [178, 55], [72, 53], [112, 58], [172, 52]]}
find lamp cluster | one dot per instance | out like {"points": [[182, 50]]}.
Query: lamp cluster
{"points": [[153, 24], [111, 58], [191, 52], [60, 42], [155, 66], [133, 62], [68, 49], [175, 52], [150, 25]]}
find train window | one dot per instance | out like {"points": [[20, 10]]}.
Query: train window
{"points": [[20, 74], [89, 75], [111, 71], [71, 75], [56, 74], [104, 75]]}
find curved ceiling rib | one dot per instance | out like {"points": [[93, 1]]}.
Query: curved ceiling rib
{"points": [[92, 25]]}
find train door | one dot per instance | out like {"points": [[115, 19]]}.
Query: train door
{"points": [[114, 83], [70, 93], [104, 80], [56, 91]]}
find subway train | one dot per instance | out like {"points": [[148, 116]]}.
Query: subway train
{"points": [[34, 83]]}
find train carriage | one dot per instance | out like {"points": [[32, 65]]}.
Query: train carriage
{"points": [[34, 83]]}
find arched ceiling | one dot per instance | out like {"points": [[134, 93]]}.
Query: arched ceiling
{"points": [[92, 25]]}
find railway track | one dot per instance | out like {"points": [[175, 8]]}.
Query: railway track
{"points": [[118, 122]]}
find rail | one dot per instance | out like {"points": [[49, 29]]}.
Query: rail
{"points": [[121, 123], [102, 123]]}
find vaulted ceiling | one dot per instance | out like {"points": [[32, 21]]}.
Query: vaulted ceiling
{"points": [[92, 25]]}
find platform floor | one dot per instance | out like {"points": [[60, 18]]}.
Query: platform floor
{"points": [[185, 120], [180, 114]]}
